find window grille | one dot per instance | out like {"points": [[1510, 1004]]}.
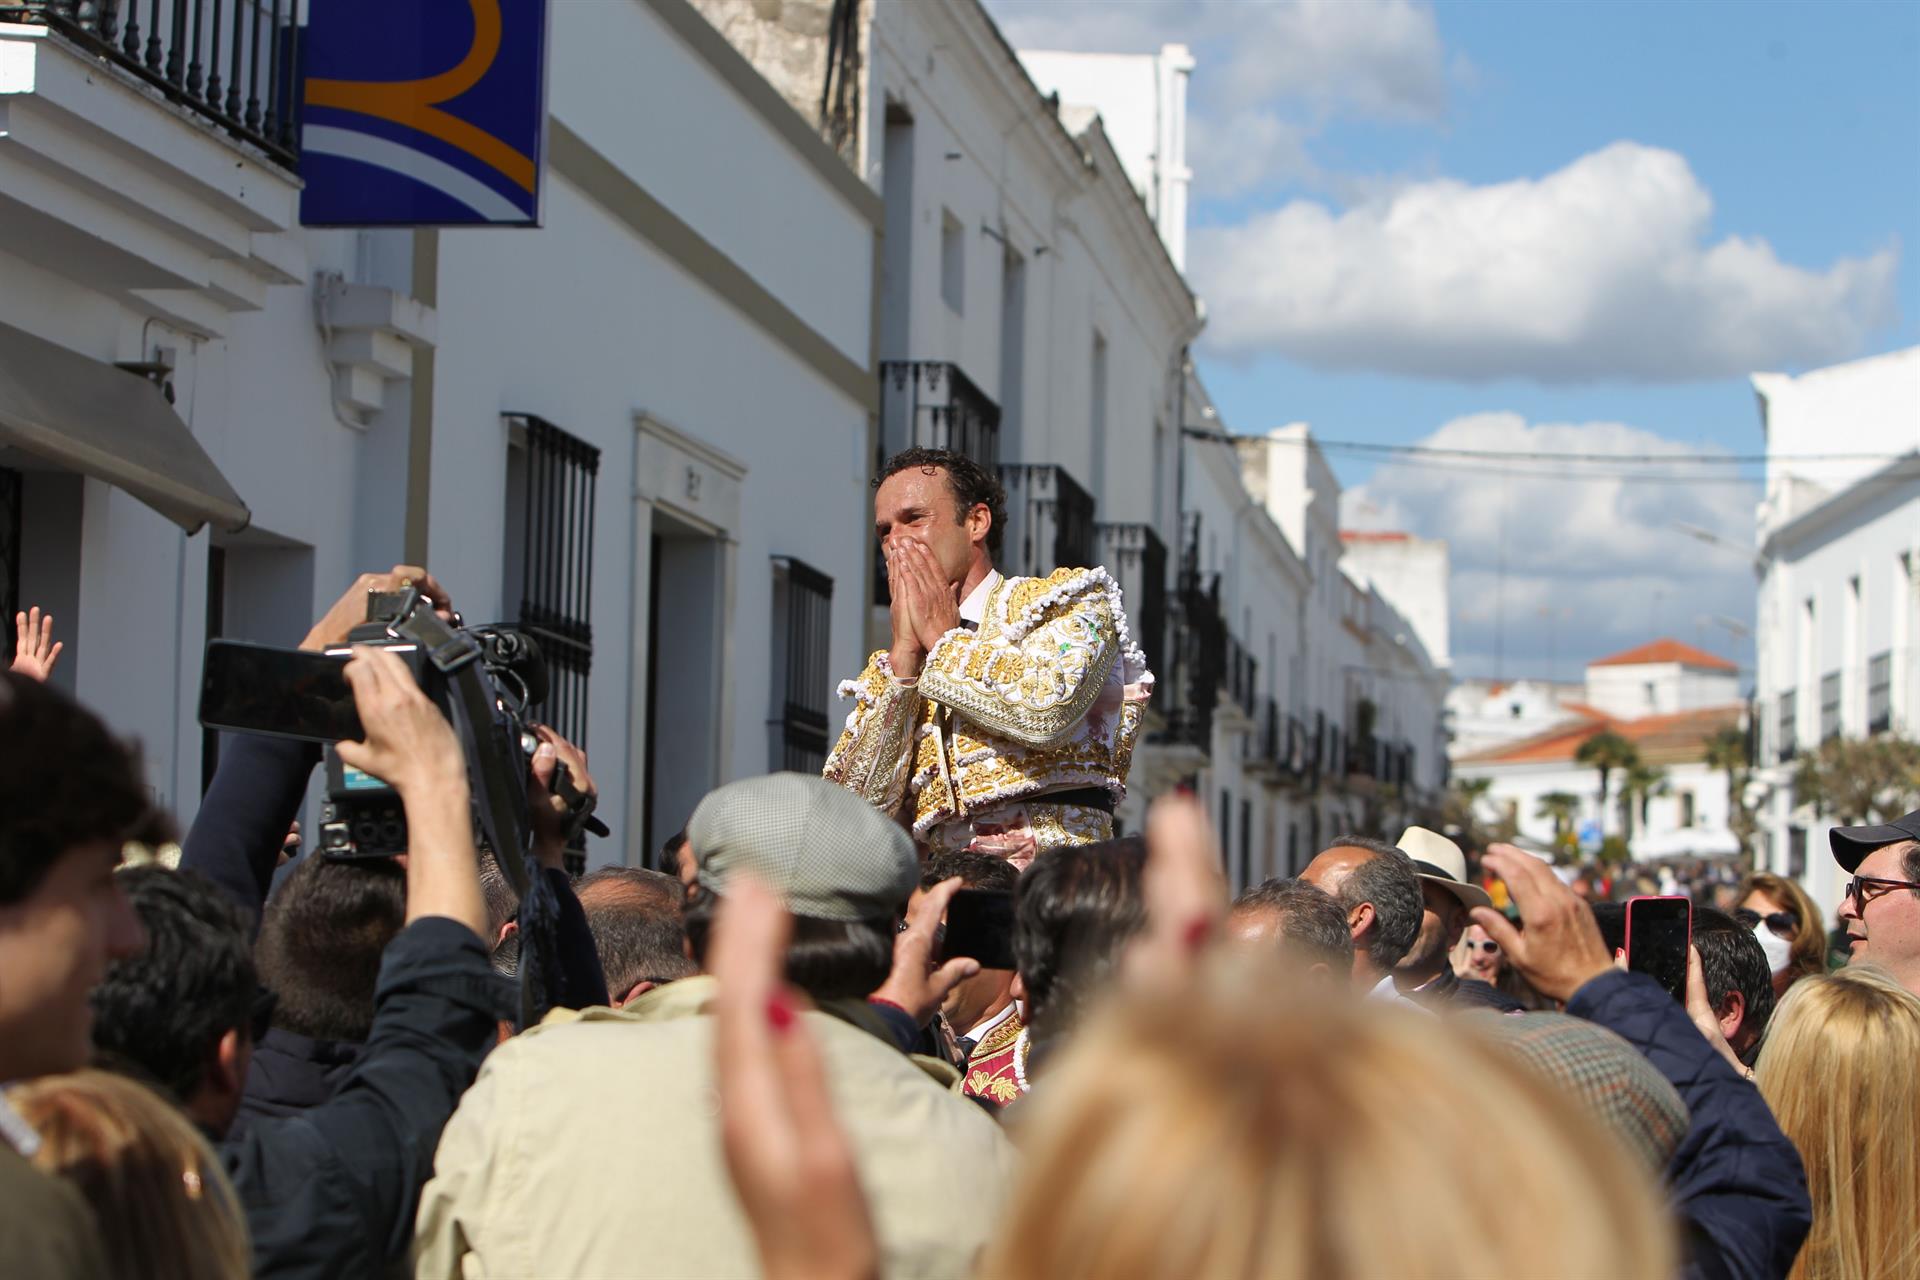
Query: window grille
{"points": [[550, 498], [802, 665], [1880, 692], [1789, 725], [1830, 705]]}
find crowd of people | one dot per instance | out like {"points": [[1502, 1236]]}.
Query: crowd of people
{"points": [[763, 1060]]}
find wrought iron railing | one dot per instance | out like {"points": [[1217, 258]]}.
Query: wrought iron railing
{"points": [[1137, 559], [1265, 747], [932, 404], [1199, 667], [234, 62], [1242, 676], [1050, 519], [802, 670]]}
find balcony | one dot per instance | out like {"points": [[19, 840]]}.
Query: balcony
{"points": [[1198, 670], [1265, 751], [233, 66], [1050, 521], [123, 169], [1137, 559], [1241, 680], [931, 404]]}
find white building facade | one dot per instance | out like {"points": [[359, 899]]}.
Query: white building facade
{"points": [[1838, 640], [1665, 698], [641, 430]]}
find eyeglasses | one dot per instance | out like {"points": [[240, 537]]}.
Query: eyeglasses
{"points": [[260, 1012], [1782, 924], [1488, 947], [1864, 889]]}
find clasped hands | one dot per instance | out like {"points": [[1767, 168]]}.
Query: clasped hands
{"points": [[925, 604]]}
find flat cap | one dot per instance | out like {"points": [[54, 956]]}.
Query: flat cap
{"points": [[1610, 1079], [827, 853]]}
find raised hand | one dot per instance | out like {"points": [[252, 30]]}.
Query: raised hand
{"points": [[350, 610], [408, 745], [551, 813], [915, 983], [907, 652], [1559, 949], [1185, 895], [790, 1161], [36, 650], [936, 602]]}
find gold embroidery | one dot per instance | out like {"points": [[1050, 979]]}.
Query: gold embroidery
{"points": [[1039, 660]]}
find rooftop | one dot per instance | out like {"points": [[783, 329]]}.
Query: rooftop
{"points": [[1663, 739], [1665, 649]]}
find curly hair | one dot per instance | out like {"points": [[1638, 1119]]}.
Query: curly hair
{"points": [[971, 484]]}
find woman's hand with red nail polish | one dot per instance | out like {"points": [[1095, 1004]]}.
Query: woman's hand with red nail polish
{"points": [[789, 1160]]}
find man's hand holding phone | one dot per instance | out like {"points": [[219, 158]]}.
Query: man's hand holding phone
{"points": [[410, 746], [1560, 950]]}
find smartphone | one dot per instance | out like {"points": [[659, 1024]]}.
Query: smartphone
{"points": [[288, 693], [980, 926], [1659, 931]]}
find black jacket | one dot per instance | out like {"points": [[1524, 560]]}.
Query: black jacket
{"points": [[1451, 993], [332, 1190], [1735, 1180]]}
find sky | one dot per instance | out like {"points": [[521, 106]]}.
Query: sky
{"points": [[1568, 228]]}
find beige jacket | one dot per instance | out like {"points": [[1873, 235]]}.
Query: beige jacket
{"points": [[592, 1148]]}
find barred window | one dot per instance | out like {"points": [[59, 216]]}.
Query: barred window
{"points": [[1788, 740], [802, 673], [551, 478], [1880, 692], [1830, 705]]}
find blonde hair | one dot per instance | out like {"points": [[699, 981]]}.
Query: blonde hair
{"points": [[1809, 954], [165, 1207], [1837, 1069], [1224, 1129]]}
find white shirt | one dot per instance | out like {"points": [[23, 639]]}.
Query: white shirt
{"points": [[1385, 990], [974, 608], [981, 1030]]}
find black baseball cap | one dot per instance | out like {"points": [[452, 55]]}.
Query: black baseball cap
{"points": [[1851, 845]]}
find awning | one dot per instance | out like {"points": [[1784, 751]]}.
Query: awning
{"points": [[87, 416]]}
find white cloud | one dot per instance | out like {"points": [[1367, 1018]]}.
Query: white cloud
{"points": [[1599, 556], [1269, 76], [1599, 270]]}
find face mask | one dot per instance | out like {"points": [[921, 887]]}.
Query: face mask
{"points": [[1779, 950]]}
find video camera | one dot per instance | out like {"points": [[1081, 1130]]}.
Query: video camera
{"points": [[487, 680]]}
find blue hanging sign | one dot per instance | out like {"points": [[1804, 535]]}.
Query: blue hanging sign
{"points": [[423, 112]]}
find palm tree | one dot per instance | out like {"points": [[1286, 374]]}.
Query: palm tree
{"points": [[1561, 807], [1638, 786], [1607, 751]]}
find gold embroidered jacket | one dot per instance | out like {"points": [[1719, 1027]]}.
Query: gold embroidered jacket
{"points": [[1047, 694]]}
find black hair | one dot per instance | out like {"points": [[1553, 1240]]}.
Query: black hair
{"points": [[65, 782], [635, 923], [1732, 959], [976, 871], [1313, 926], [971, 484], [1612, 919], [827, 959], [164, 1010], [1074, 911], [1388, 881], [321, 940]]}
